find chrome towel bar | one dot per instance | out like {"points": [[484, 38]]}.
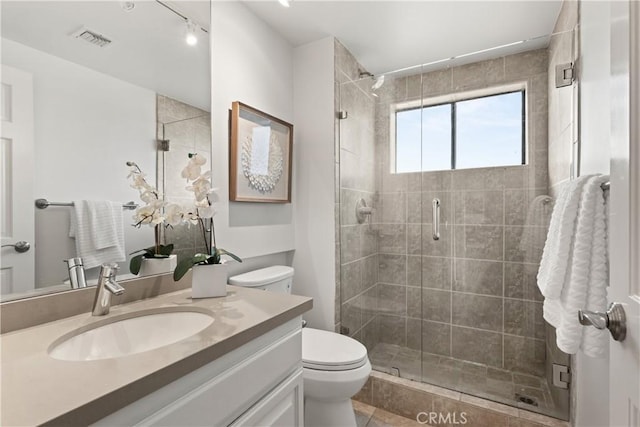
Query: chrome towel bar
{"points": [[44, 203]]}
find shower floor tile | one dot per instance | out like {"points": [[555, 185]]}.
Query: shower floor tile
{"points": [[466, 377]]}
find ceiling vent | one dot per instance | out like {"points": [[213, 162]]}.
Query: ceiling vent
{"points": [[92, 37]]}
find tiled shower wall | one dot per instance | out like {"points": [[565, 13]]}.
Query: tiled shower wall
{"points": [[189, 131], [479, 298]]}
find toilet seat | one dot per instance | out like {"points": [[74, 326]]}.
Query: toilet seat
{"points": [[330, 351]]}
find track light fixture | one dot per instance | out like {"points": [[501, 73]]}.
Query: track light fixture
{"points": [[192, 36]]}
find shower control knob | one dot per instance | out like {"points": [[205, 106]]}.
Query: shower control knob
{"points": [[613, 319]]}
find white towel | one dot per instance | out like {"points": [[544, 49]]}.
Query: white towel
{"points": [[579, 241], [595, 342], [98, 229], [557, 250]]}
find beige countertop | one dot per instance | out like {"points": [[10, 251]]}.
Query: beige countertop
{"points": [[37, 389]]}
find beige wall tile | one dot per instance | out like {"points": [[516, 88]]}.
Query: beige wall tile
{"points": [[479, 242], [477, 311], [437, 272], [436, 338], [436, 305], [392, 299], [392, 238], [393, 329], [520, 281], [525, 355], [478, 179], [479, 74], [526, 64], [524, 318], [351, 280], [477, 346], [392, 269], [479, 207], [437, 82], [478, 277]]}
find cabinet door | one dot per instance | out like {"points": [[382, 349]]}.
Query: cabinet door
{"points": [[283, 407], [223, 398]]}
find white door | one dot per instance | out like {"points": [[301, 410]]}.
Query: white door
{"points": [[17, 269], [624, 383]]}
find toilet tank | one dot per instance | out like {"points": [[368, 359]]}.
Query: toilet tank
{"points": [[277, 278]]}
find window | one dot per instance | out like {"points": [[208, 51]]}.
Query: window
{"points": [[473, 133]]}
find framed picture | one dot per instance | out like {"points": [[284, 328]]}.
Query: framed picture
{"points": [[260, 156]]}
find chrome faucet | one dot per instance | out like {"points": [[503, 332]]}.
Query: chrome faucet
{"points": [[77, 278], [107, 285]]}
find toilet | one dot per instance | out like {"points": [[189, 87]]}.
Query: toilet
{"points": [[335, 367]]}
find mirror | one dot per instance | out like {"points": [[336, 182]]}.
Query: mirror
{"points": [[109, 79]]}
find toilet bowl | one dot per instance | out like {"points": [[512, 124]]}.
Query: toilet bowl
{"points": [[335, 367]]}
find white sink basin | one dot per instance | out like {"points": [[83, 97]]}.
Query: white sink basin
{"points": [[130, 336]]}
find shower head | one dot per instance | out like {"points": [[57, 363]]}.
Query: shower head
{"points": [[378, 82]]}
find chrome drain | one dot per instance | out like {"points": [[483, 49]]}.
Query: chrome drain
{"points": [[526, 399]]}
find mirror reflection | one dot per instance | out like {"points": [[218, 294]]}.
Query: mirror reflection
{"points": [[95, 85]]}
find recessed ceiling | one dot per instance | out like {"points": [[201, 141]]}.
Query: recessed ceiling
{"points": [[391, 35]]}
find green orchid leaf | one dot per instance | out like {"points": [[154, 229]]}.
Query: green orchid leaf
{"points": [[182, 268], [186, 264], [229, 254], [166, 249], [136, 263]]}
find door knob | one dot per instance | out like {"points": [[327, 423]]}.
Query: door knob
{"points": [[613, 319], [20, 246]]}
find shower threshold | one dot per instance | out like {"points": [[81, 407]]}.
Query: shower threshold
{"points": [[515, 389]]}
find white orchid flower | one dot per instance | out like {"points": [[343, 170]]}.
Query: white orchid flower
{"points": [[201, 187], [206, 212], [191, 172], [198, 160], [151, 212], [145, 215], [174, 214]]}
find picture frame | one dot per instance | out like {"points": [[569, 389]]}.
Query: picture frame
{"points": [[260, 156]]}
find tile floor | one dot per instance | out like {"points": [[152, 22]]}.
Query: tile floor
{"points": [[467, 377], [370, 416]]}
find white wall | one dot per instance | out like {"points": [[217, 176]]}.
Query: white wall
{"points": [[250, 63], [594, 88], [87, 125], [592, 375], [314, 258]]}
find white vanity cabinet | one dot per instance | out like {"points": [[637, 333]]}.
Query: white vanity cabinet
{"points": [[257, 384]]}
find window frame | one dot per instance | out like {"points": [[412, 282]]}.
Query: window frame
{"points": [[452, 100]]}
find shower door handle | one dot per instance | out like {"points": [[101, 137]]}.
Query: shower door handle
{"points": [[436, 218]]}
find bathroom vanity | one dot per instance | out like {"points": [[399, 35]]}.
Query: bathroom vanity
{"points": [[244, 369]]}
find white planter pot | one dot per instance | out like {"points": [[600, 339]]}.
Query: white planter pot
{"points": [[153, 266], [209, 281]]}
